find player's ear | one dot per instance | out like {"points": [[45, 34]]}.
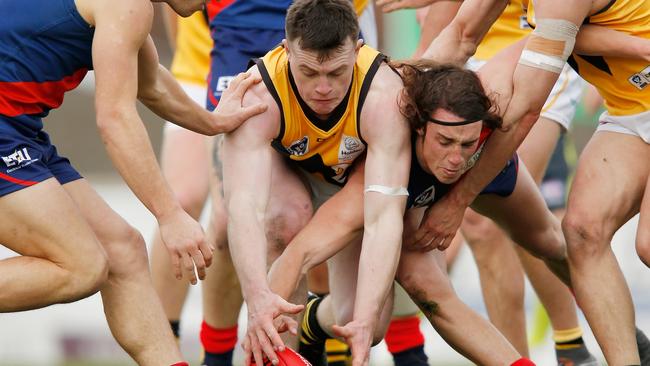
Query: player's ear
{"points": [[285, 44]]}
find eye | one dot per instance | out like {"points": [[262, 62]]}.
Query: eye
{"points": [[445, 142], [468, 145]]}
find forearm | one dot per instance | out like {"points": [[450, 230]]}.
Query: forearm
{"points": [[130, 150], [327, 233], [380, 253], [439, 15], [459, 40], [248, 246], [168, 100], [593, 40]]}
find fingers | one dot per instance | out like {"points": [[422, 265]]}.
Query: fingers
{"points": [[340, 331], [274, 337], [256, 349], [246, 346], [242, 82], [206, 252], [266, 346], [197, 257], [285, 323], [188, 266], [176, 265], [289, 308], [254, 110]]}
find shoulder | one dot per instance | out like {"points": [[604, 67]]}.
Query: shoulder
{"points": [[268, 121], [380, 111], [137, 14]]}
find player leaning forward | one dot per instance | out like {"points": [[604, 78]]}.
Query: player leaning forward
{"points": [[331, 100], [72, 243]]}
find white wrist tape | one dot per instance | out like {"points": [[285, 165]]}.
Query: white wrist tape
{"points": [[389, 191], [550, 45]]}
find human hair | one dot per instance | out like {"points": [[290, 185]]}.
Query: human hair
{"points": [[321, 25], [429, 86]]}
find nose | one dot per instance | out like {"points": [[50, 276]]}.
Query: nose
{"points": [[323, 87], [455, 158]]}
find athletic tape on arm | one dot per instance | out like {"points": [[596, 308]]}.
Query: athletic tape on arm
{"points": [[389, 191], [550, 45]]}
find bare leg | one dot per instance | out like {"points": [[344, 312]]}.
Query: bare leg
{"points": [[558, 301], [606, 192], [502, 278], [643, 230], [527, 220], [424, 277], [190, 184], [60, 260], [131, 305]]}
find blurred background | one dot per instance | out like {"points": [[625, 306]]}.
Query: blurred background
{"points": [[77, 334]]}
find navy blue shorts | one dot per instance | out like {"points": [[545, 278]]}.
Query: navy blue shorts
{"points": [[233, 49], [504, 183], [28, 158]]}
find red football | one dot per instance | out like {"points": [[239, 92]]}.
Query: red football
{"points": [[288, 357]]}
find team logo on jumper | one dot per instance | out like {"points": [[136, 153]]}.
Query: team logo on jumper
{"points": [[350, 148], [299, 147], [20, 158], [425, 198], [641, 79]]}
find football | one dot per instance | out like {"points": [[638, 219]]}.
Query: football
{"points": [[288, 357]]}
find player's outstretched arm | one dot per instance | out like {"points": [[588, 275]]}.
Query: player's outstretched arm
{"points": [[557, 25], [247, 183], [594, 40], [385, 181], [122, 27], [161, 93]]}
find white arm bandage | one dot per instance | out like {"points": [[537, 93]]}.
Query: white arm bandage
{"points": [[550, 45], [389, 191]]}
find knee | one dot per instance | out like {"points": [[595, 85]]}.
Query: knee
{"points": [[479, 231], [86, 277], [549, 243], [126, 251], [586, 236], [284, 224]]}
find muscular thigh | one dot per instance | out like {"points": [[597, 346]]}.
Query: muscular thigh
{"points": [[610, 180], [520, 213], [105, 222], [42, 221]]}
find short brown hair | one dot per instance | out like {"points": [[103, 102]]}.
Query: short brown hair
{"points": [[322, 25], [429, 86]]}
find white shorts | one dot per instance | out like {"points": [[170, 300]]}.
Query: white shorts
{"points": [[562, 102], [635, 124], [197, 93], [368, 25]]}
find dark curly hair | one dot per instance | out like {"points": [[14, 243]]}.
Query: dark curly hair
{"points": [[429, 86]]}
